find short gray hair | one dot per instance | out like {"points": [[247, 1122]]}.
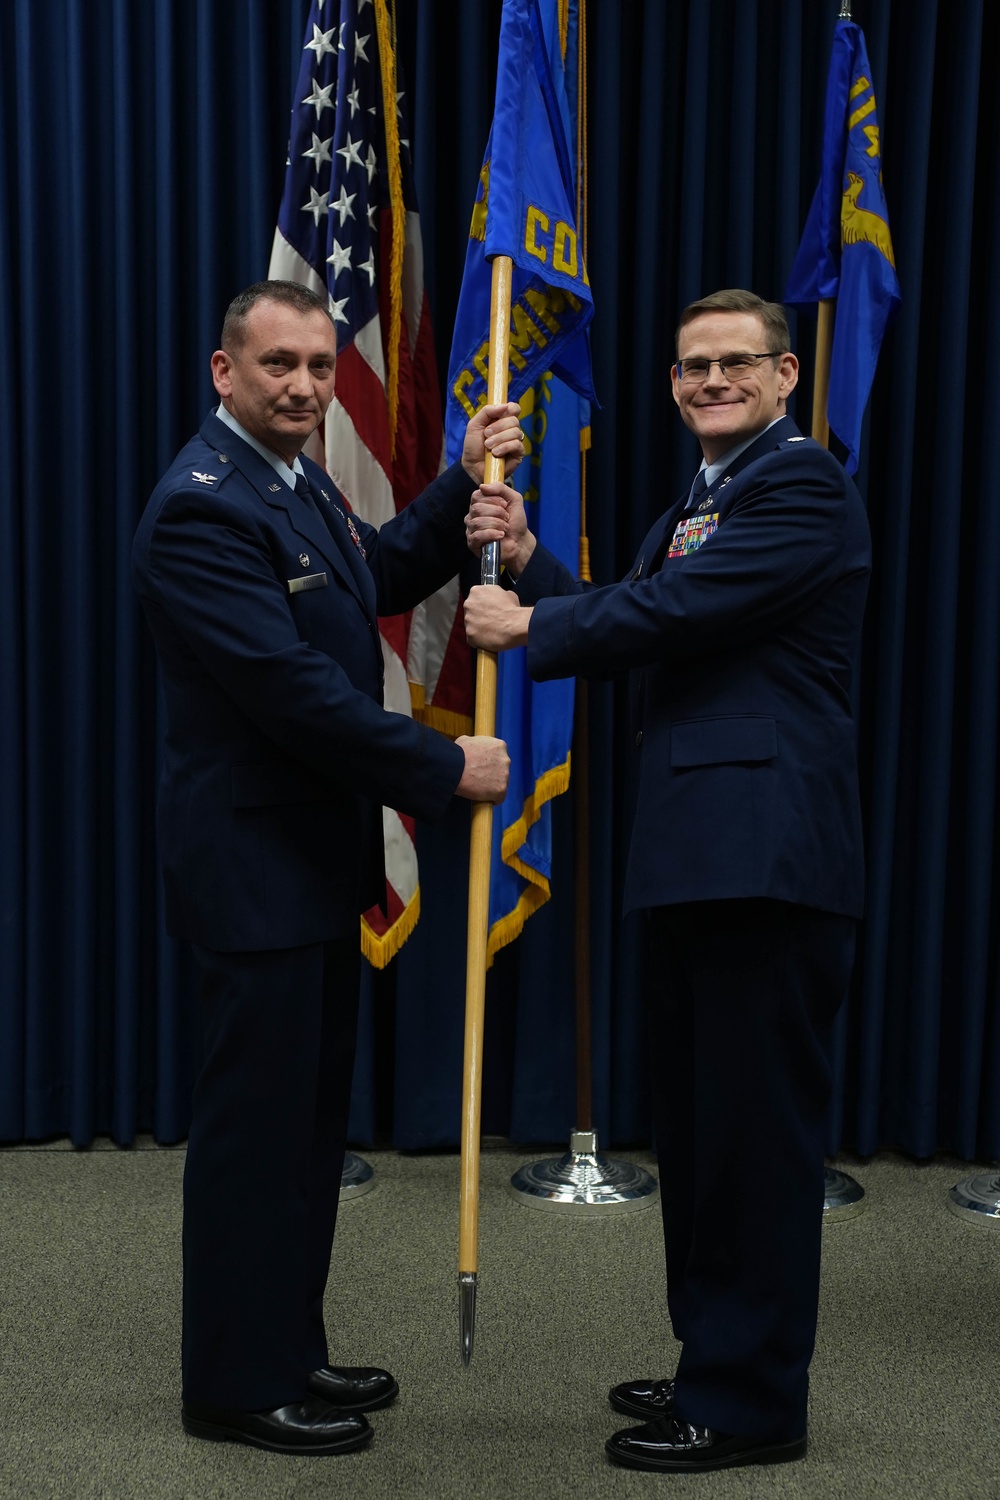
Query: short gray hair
{"points": [[290, 293]]}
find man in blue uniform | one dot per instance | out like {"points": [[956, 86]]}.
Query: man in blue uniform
{"points": [[740, 623], [262, 594]]}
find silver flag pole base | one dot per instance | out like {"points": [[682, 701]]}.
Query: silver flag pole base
{"points": [[978, 1200], [584, 1181], [844, 1198], [357, 1178]]}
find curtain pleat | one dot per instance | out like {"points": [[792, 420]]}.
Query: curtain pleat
{"points": [[142, 164]]}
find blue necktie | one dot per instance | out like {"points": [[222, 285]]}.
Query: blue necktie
{"points": [[305, 492], [698, 490]]}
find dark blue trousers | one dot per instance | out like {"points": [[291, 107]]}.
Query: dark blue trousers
{"points": [[742, 998], [264, 1163]]}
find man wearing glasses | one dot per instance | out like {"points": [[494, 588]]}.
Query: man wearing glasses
{"points": [[740, 624]]}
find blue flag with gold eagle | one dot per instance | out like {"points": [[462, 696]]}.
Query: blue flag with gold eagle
{"points": [[846, 251], [525, 208]]}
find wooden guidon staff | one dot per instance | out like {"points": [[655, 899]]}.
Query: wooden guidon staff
{"points": [[479, 864]]}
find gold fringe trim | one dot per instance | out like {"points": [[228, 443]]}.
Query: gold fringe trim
{"points": [[381, 948], [509, 927], [387, 66], [446, 720], [551, 784]]}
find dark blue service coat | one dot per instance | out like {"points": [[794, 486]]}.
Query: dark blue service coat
{"points": [[743, 648], [278, 752]]}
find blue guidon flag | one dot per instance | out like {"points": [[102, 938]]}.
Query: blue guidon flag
{"points": [[846, 251], [526, 208], [348, 228]]}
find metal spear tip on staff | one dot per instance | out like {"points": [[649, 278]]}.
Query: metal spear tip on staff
{"points": [[479, 866]]}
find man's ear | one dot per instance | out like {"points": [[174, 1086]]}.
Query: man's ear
{"points": [[222, 377], [788, 373]]}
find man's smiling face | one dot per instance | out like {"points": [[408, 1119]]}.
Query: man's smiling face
{"points": [[720, 411]]}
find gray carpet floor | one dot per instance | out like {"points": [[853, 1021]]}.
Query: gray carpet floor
{"points": [[904, 1385]]}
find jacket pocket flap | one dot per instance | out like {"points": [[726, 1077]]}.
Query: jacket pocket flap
{"points": [[273, 786], [711, 742]]}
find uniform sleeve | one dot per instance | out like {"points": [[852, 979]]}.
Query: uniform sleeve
{"points": [[208, 582], [416, 552], [788, 538]]}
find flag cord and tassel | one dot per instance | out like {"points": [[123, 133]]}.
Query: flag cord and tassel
{"points": [[479, 863]]}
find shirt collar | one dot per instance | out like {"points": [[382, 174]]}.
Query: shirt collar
{"points": [[277, 464], [715, 471]]}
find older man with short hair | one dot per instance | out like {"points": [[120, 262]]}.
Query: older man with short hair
{"points": [[262, 592]]}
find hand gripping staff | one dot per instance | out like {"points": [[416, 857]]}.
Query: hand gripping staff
{"points": [[479, 865]]}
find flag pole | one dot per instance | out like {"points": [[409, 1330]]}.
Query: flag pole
{"points": [[583, 1180], [479, 863], [842, 1194], [826, 312]]}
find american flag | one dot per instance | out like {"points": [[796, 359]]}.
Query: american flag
{"points": [[348, 228]]}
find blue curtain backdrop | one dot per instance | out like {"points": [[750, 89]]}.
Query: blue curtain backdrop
{"points": [[141, 167]]}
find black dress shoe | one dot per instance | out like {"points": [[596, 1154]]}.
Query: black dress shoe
{"points": [[672, 1446], [305, 1427], [349, 1389], [643, 1398]]}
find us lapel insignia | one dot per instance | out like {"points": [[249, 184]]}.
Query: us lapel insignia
{"points": [[354, 535], [355, 538], [274, 488], [707, 502]]}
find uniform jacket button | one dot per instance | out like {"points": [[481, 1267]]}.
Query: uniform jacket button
{"points": [[638, 737]]}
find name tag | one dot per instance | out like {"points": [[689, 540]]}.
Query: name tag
{"points": [[310, 581]]}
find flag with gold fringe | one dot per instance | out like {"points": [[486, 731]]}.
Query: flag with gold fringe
{"points": [[846, 250], [348, 228], [536, 718], [527, 208]]}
